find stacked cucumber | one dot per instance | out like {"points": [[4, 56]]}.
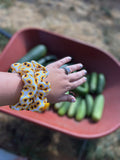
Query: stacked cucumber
{"points": [[39, 54], [35, 53], [89, 101]]}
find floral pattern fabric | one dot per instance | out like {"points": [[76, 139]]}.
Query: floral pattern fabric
{"points": [[35, 89]]}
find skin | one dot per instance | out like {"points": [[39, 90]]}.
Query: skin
{"points": [[61, 83], [10, 88], [11, 83]]}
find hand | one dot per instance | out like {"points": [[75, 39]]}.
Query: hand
{"points": [[62, 82]]}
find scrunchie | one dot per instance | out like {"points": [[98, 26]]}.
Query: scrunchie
{"points": [[35, 89]]}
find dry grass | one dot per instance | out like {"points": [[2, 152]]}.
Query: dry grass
{"points": [[93, 21]]}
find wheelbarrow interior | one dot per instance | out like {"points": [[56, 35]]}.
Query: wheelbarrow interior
{"points": [[92, 58]]}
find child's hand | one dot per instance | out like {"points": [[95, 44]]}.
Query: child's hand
{"points": [[62, 82]]}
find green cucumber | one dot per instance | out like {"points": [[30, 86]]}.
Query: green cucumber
{"points": [[35, 53], [89, 104], [65, 65], [73, 106], [47, 59], [93, 82], [88, 80], [101, 83], [81, 110], [98, 108], [47, 63], [58, 105], [63, 109], [82, 90]]}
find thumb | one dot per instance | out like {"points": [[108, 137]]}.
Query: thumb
{"points": [[67, 97]]}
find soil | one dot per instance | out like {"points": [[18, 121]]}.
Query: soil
{"points": [[93, 21]]}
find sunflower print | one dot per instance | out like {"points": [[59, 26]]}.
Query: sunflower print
{"points": [[35, 89]]}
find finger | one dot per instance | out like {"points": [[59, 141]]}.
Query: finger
{"points": [[62, 61], [77, 75], [67, 97], [75, 67], [78, 82]]}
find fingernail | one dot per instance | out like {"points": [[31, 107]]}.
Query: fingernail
{"points": [[81, 65], [85, 78], [70, 58], [85, 71], [73, 99]]}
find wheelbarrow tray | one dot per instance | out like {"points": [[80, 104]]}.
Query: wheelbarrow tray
{"points": [[93, 59]]}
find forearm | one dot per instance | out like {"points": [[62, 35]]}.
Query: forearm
{"points": [[10, 87]]}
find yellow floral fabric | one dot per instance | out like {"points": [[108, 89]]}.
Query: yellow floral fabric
{"points": [[35, 89]]}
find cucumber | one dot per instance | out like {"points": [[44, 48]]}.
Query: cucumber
{"points": [[93, 82], [72, 109], [81, 111], [65, 65], [88, 80], [58, 105], [63, 109], [82, 90], [35, 53], [98, 108], [47, 59], [89, 104], [101, 83]]}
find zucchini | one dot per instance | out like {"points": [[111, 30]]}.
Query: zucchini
{"points": [[82, 90], [81, 111], [98, 108], [47, 59], [89, 104], [101, 83], [93, 82], [63, 109], [35, 53], [73, 106]]}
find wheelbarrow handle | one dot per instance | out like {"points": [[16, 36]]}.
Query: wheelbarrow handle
{"points": [[5, 33]]}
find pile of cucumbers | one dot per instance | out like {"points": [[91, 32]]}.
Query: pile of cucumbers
{"points": [[89, 100]]}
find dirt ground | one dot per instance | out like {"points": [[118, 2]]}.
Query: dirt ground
{"points": [[93, 21]]}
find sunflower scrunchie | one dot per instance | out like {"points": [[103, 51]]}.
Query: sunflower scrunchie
{"points": [[35, 89]]}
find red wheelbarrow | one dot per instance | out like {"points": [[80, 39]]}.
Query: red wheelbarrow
{"points": [[93, 59]]}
